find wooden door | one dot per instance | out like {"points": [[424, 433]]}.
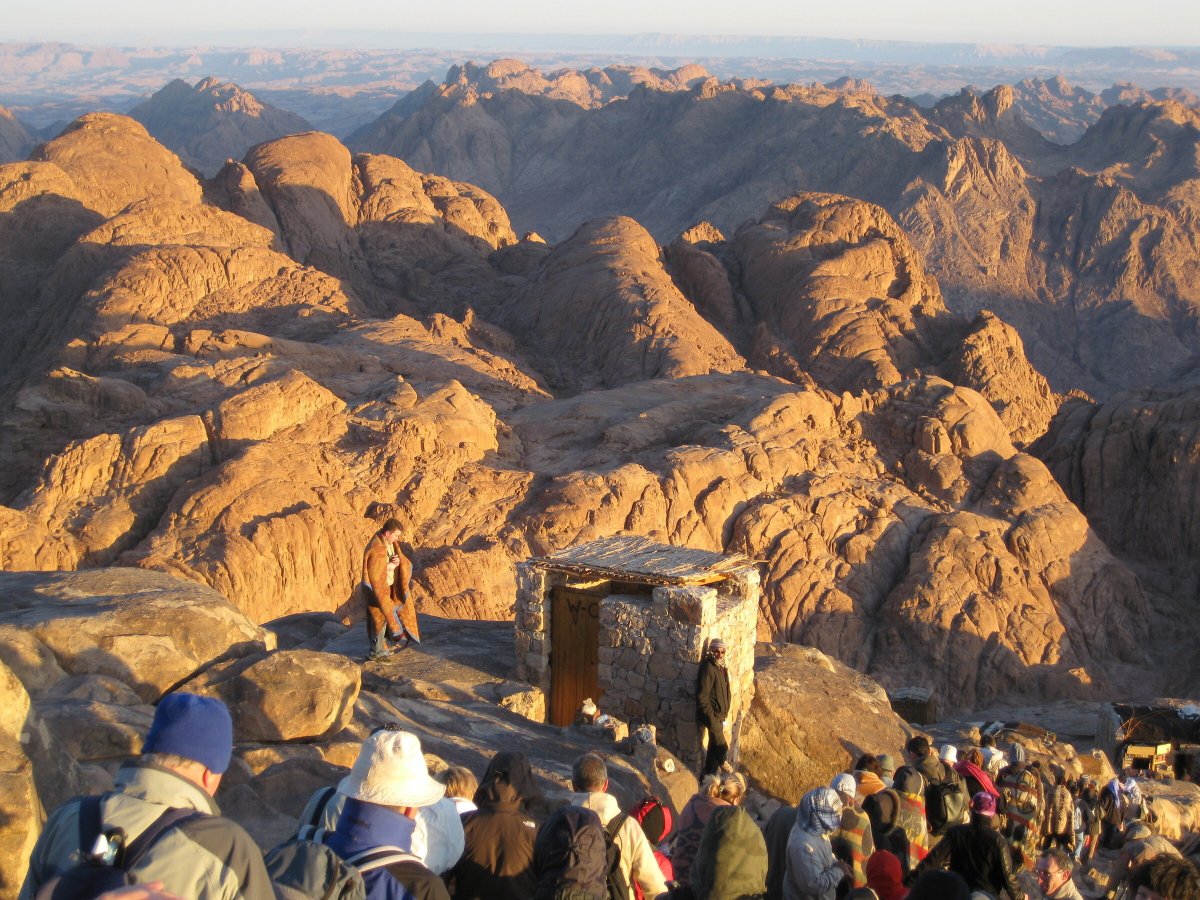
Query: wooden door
{"points": [[574, 653]]}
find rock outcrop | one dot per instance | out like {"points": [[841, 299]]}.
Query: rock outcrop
{"points": [[811, 718], [15, 139]]}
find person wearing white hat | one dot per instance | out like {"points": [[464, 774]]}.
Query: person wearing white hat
{"points": [[949, 754], [387, 785]]}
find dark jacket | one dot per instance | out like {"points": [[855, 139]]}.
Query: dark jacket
{"points": [[776, 833], [362, 826], [690, 832], [883, 809], [980, 854], [934, 770], [570, 857], [731, 863], [712, 691], [497, 860]]}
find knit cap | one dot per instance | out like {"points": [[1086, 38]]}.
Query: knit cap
{"points": [[194, 727]]}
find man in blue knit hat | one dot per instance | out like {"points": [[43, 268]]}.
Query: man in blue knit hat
{"points": [[162, 814]]}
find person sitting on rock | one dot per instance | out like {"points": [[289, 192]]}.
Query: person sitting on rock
{"points": [[713, 701], [589, 779], [1053, 873], [497, 863], [461, 785], [388, 783], [570, 857], [202, 856], [715, 791], [852, 841], [386, 572], [813, 873], [977, 852], [437, 839]]}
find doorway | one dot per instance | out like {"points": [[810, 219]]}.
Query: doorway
{"points": [[574, 652]]}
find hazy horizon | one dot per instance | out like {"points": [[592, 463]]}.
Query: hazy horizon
{"points": [[1102, 23]]}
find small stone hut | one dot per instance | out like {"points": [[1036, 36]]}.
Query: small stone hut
{"points": [[626, 621]]}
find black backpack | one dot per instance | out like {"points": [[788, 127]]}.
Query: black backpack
{"points": [[945, 805], [304, 868], [618, 887], [103, 870]]}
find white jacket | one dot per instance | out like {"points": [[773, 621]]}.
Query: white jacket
{"points": [[637, 856]]}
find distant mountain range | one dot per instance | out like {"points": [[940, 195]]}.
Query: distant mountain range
{"points": [[338, 88]]}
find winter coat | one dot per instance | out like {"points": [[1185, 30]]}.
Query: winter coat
{"points": [[812, 873], [570, 856], [883, 809], [731, 863], [637, 856], [204, 858], [437, 839], [911, 819], [497, 862], [776, 833], [688, 833], [980, 854], [1060, 814], [713, 698], [363, 826], [391, 599]]}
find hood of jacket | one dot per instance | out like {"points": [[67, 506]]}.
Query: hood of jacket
{"points": [[732, 858], [507, 783]]}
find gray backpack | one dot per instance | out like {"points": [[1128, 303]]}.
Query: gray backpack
{"points": [[304, 868]]}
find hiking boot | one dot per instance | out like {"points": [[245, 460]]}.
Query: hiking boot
{"points": [[379, 655]]}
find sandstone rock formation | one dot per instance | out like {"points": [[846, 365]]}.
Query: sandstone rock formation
{"points": [[212, 121], [811, 718], [1085, 248], [236, 391]]}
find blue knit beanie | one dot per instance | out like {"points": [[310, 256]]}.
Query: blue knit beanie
{"points": [[194, 727]]}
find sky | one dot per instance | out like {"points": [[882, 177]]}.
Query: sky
{"points": [[1097, 23]]}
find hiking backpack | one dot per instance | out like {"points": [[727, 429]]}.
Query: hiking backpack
{"points": [[945, 805], [618, 887], [107, 860], [304, 867]]}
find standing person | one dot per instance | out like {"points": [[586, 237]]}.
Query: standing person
{"points": [[1088, 806], [993, 758], [201, 856], [461, 785], [715, 792], [852, 841], [655, 819], [885, 877], [776, 833], [497, 862], [1060, 816], [883, 809], [975, 777], [385, 575], [922, 758], [1021, 805], [1112, 814], [910, 789], [812, 871], [589, 780], [713, 701], [977, 852], [1133, 798], [1053, 871], [387, 785]]}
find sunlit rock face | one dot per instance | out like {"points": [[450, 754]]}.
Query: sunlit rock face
{"points": [[235, 381]]}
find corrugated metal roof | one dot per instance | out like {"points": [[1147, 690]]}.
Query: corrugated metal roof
{"points": [[632, 558]]}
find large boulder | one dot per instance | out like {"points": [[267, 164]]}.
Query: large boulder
{"points": [[146, 629], [284, 696], [22, 819], [811, 718]]}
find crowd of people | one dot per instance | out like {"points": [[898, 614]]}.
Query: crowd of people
{"points": [[954, 823]]}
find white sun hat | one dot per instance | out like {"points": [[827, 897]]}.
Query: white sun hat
{"points": [[949, 754], [390, 770]]}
